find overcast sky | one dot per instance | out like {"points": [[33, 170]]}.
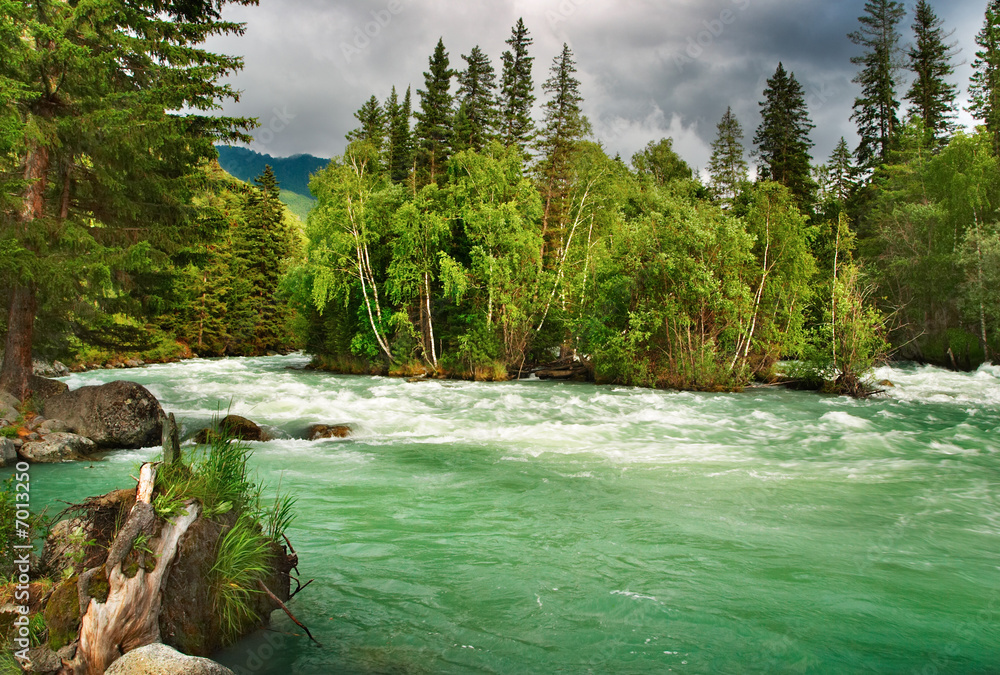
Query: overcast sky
{"points": [[648, 69]]}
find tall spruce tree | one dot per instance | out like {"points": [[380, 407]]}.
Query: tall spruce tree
{"points": [[728, 166], [565, 127], [876, 110], [931, 95], [842, 172], [263, 247], [399, 145], [435, 119], [517, 91], [984, 91], [373, 123], [99, 167], [478, 102], [782, 139]]}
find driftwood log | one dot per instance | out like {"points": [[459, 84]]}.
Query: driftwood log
{"points": [[129, 618]]}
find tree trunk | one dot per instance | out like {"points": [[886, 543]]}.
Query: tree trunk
{"points": [[16, 369], [129, 618]]}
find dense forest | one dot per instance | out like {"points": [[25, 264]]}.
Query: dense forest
{"points": [[477, 242], [460, 235]]}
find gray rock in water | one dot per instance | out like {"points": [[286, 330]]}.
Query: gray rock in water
{"points": [[8, 452], [114, 415], [159, 659], [59, 447]]}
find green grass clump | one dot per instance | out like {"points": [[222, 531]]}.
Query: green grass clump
{"points": [[244, 558], [217, 475]]}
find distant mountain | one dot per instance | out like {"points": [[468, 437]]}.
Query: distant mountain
{"points": [[292, 172]]}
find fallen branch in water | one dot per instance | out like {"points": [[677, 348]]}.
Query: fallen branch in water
{"points": [[291, 616]]}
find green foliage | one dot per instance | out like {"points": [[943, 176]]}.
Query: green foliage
{"points": [[984, 91], [932, 96], [399, 148], [92, 111], [659, 161], [225, 292], [434, 120], [517, 91], [477, 102], [373, 121], [243, 559], [930, 237], [782, 139], [728, 167], [876, 110]]}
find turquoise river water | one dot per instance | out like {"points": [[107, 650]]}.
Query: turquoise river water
{"points": [[537, 527]]}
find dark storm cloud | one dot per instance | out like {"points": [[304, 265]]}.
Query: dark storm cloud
{"points": [[648, 69]]}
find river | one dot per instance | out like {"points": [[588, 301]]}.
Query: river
{"points": [[538, 527]]}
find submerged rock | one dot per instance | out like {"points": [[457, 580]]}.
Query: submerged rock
{"points": [[237, 427], [114, 415], [320, 431], [159, 659], [57, 447]]}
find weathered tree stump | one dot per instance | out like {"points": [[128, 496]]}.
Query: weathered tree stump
{"points": [[129, 618]]}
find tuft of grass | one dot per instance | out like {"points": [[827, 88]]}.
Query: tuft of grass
{"points": [[8, 432], [244, 557], [219, 477]]}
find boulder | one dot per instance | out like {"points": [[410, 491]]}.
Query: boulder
{"points": [[59, 447], [52, 426], [43, 388], [320, 431], [114, 415], [237, 427], [8, 406], [8, 452], [159, 659]]}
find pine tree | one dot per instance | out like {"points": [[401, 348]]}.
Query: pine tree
{"points": [[373, 123], [263, 248], [517, 91], [875, 111], [94, 141], [478, 107], [728, 167], [984, 91], [399, 145], [932, 96], [842, 172], [435, 119], [782, 139], [565, 127]]}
